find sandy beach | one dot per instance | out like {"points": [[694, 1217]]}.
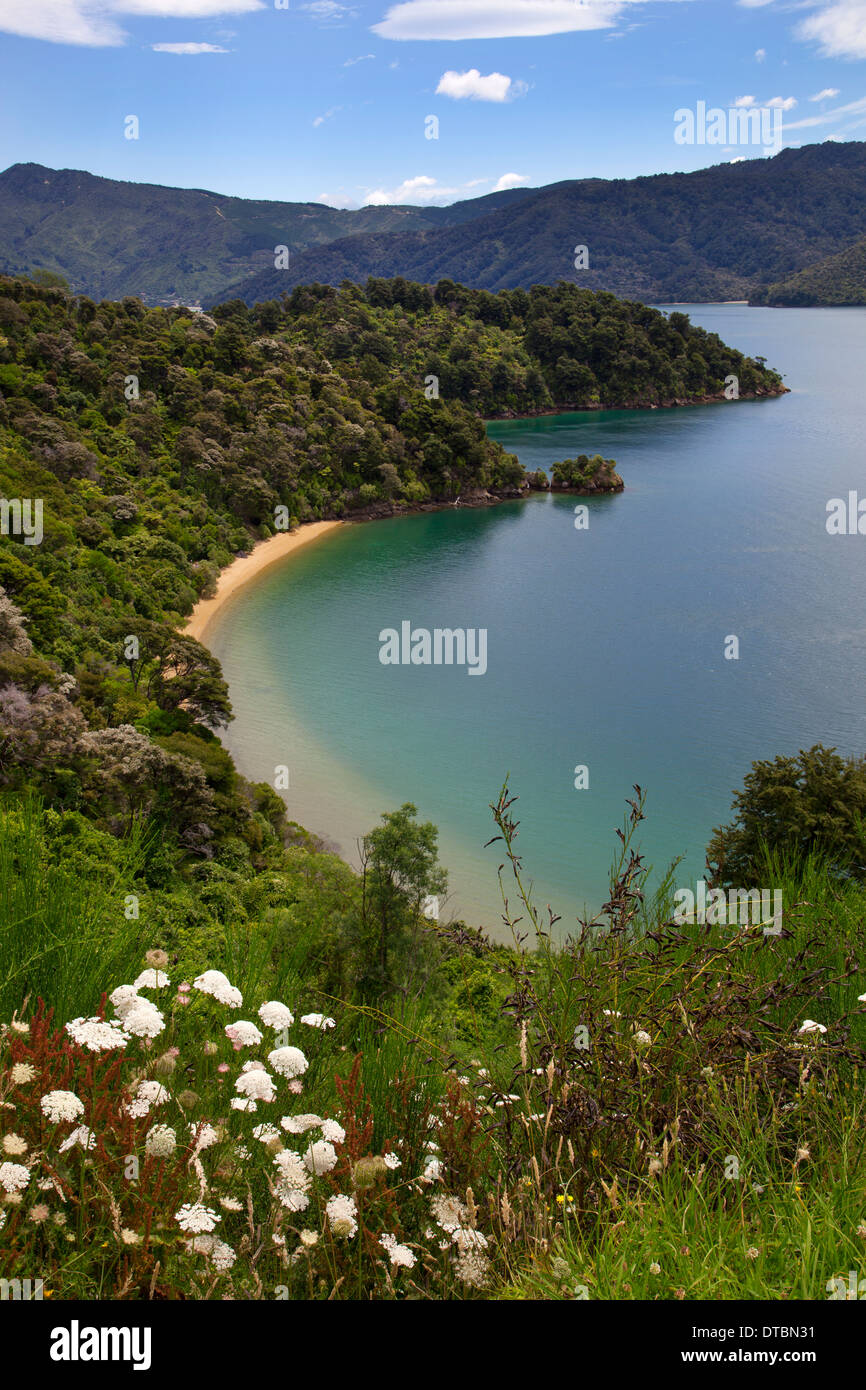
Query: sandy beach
{"points": [[242, 570]]}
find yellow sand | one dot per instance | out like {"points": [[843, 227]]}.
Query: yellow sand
{"points": [[241, 571]]}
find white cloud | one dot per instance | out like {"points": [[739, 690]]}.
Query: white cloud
{"points": [[825, 94], [320, 120], [187, 48], [93, 23], [497, 19], [744, 101], [328, 11], [462, 85], [760, 55], [783, 103], [350, 62], [854, 109], [509, 181], [839, 28], [420, 190]]}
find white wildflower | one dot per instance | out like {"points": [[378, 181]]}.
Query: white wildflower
{"points": [[196, 1218], [152, 979], [399, 1255], [215, 983], [266, 1133], [60, 1106], [222, 1256], [320, 1157], [391, 1161], [299, 1124], [275, 1015], [342, 1212], [80, 1135], [147, 1093], [256, 1085], [243, 1032], [810, 1026], [288, 1061], [22, 1072], [318, 1021], [333, 1132], [96, 1034], [161, 1141], [14, 1177], [144, 1020]]}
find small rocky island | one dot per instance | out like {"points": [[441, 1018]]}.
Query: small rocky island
{"points": [[586, 475]]}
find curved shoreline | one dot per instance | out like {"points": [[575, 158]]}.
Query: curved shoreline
{"points": [[247, 567]]}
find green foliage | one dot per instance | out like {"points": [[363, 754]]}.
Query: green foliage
{"points": [[585, 474], [814, 803]]}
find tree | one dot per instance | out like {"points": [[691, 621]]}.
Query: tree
{"points": [[400, 870], [813, 803]]}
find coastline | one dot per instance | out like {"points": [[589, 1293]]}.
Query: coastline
{"points": [[248, 567]]}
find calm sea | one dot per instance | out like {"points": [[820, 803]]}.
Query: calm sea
{"points": [[605, 646]]}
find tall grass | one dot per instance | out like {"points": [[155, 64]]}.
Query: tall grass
{"points": [[62, 936]]}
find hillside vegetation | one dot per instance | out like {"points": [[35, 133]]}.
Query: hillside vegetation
{"points": [[836, 280], [724, 232], [233, 1068]]}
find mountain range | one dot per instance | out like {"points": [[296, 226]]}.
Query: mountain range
{"points": [[733, 231]]}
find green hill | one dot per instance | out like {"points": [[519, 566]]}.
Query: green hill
{"points": [[165, 245], [715, 234], [835, 280]]}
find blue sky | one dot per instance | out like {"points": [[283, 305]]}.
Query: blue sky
{"points": [[329, 101]]}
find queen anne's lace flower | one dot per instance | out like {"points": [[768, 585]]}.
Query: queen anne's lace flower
{"points": [[14, 1177], [391, 1161], [247, 1106], [161, 1141], [204, 1135], [196, 1218], [256, 1085], [123, 999], [320, 1157], [266, 1133], [21, 1073], [299, 1124], [318, 1021], [448, 1212], [243, 1032], [399, 1255], [80, 1135], [333, 1132], [294, 1181], [14, 1144], [96, 1034], [222, 1256], [215, 983], [810, 1026], [342, 1212], [144, 1020], [60, 1106], [275, 1015], [288, 1061], [147, 1093], [152, 979]]}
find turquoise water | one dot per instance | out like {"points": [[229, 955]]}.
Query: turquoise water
{"points": [[605, 645]]}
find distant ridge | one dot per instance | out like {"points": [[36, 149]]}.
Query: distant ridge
{"points": [[170, 245], [727, 232]]}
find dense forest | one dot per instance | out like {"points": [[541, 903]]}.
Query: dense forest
{"points": [[836, 280], [713, 234]]}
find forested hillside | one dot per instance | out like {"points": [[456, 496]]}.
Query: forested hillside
{"points": [[837, 280], [714, 234]]}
